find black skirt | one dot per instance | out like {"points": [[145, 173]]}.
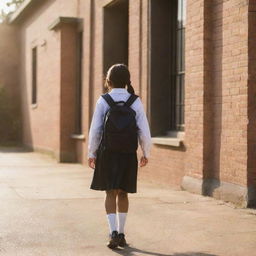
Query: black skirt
{"points": [[115, 171]]}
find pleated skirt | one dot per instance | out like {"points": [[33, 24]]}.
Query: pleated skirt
{"points": [[115, 171]]}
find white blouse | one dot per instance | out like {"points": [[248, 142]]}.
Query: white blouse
{"points": [[96, 129]]}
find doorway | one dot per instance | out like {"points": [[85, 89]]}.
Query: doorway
{"points": [[115, 34]]}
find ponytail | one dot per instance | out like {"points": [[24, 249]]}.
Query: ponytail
{"points": [[130, 89]]}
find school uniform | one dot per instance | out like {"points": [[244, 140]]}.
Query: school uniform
{"points": [[115, 170]]}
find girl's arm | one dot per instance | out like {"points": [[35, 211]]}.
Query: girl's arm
{"points": [[96, 129], [144, 131]]}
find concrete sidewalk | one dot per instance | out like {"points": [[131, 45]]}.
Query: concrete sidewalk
{"points": [[48, 209]]}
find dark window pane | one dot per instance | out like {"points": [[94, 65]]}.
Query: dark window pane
{"points": [[163, 43], [180, 62], [182, 100], [183, 49], [79, 83], [34, 75], [167, 43], [179, 50]]}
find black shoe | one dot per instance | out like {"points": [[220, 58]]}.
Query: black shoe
{"points": [[114, 240], [122, 241]]}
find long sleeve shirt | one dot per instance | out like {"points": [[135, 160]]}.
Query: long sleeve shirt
{"points": [[96, 129]]}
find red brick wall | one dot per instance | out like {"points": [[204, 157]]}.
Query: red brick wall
{"points": [[217, 107], [135, 44], [233, 92], [86, 13], [194, 92]]}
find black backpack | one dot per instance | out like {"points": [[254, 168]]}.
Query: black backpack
{"points": [[120, 132]]}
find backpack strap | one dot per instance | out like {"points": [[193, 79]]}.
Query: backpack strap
{"points": [[108, 99], [131, 99]]}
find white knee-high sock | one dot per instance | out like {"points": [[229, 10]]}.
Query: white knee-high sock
{"points": [[112, 222], [121, 216]]}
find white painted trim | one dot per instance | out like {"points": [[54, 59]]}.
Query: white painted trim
{"points": [[168, 141], [77, 136]]}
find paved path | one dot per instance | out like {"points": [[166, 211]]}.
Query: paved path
{"points": [[47, 209]]}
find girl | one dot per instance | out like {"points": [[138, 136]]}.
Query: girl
{"points": [[115, 172]]}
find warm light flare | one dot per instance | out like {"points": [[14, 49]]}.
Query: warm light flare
{"points": [[6, 7]]}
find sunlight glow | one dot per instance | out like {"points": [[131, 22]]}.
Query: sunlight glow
{"points": [[5, 8]]}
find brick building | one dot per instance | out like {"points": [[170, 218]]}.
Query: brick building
{"points": [[199, 93]]}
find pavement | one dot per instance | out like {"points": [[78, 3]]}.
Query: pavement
{"points": [[48, 209]]}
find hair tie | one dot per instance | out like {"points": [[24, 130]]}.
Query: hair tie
{"points": [[130, 88]]}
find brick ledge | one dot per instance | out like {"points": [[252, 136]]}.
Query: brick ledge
{"points": [[77, 136], [167, 141]]}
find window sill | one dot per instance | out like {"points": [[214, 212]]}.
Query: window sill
{"points": [[168, 141], [78, 136], [33, 106]]}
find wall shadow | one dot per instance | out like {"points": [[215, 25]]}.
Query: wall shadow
{"points": [[14, 149], [251, 94], [10, 121], [213, 95]]}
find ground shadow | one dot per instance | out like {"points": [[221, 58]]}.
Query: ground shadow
{"points": [[130, 251], [14, 149]]}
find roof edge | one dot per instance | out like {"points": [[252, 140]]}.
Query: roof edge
{"points": [[14, 16]]}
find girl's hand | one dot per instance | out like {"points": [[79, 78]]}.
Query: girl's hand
{"points": [[143, 161], [91, 162]]}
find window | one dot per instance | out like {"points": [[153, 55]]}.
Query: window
{"points": [[167, 62], [180, 75], [34, 75], [78, 118]]}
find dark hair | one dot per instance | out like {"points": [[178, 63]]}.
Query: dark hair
{"points": [[119, 76]]}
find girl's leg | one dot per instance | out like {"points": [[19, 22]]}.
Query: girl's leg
{"points": [[110, 205], [122, 201], [110, 201], [123, 205]]}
